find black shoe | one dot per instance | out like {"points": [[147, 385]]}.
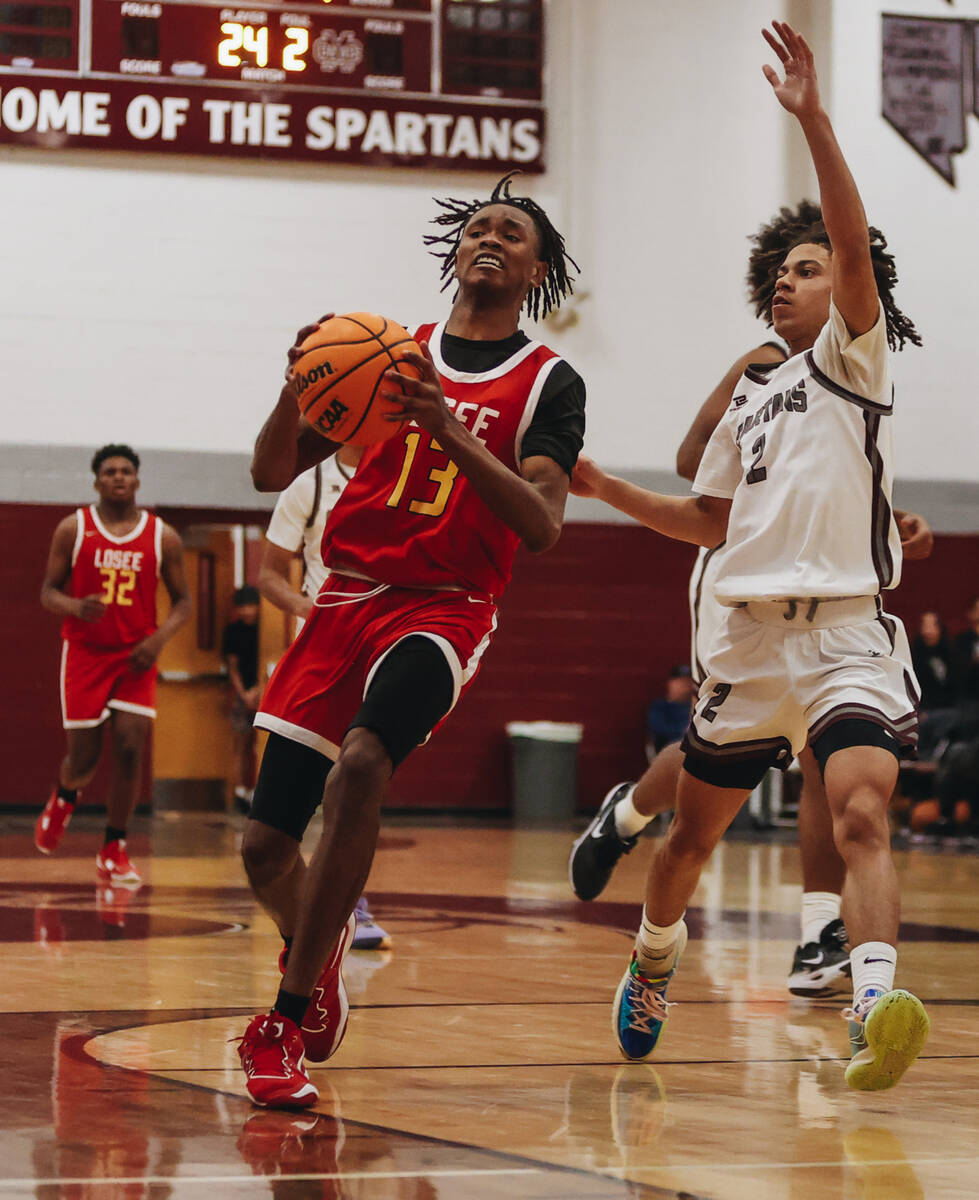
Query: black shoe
{"points": [[822, 968], [595, 853]]}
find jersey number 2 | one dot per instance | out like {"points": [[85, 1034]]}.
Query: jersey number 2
{"points": [[757, 473], [444, 476], [717, 698]]}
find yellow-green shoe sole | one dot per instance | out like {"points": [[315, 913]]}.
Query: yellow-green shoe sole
{"points": [[896, 1030]]}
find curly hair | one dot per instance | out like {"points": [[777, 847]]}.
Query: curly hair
{"points": [[792, 227], [114, 450], [557, 284]]}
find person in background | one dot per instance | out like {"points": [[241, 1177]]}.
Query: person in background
{"points": [[297, 528], [668, 716], [239, 651], [104, 565], [934, 666], [966, 651]]}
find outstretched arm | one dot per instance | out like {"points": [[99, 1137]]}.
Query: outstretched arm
{"points": [[854, 286], [698, 519], [275, 581], [714, 407]]}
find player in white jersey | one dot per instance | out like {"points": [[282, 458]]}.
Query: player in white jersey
{"points": [[821, 962], [796, 478], [296, 528]]}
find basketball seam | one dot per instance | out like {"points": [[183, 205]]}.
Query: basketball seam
{"points": [[328, 345], [370, 403]]}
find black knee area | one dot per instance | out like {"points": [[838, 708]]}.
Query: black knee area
{"points": [[290, 786], [744, 773], [855, 731], [410, 693]]}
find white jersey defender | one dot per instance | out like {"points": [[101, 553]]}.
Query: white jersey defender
{"points": [[804, 453]]}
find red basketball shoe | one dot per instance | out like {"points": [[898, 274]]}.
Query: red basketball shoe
{"points": [[112, 865], [52, 823], [325, 1022], [271, 1053]]}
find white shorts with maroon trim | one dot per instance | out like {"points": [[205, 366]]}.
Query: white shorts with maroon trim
{"points": [[784, 672], [318, 686], [95, 680]]}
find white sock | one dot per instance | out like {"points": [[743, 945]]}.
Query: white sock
{"points": [[655, 946], [818, 909], [873, 965], [628, 819]]}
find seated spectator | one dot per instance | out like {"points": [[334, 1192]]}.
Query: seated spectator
{"points": [[966, 656], [667, 718], [931, 653]]}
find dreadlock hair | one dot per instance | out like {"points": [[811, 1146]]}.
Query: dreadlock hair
{"points": [[793, 227], [114, 450], [557, 284]]}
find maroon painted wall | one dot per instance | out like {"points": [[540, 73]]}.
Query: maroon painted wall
{"points": [[587, 633]]}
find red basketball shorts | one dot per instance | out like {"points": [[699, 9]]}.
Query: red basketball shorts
{"points": [[95, 679], [320, 682]]}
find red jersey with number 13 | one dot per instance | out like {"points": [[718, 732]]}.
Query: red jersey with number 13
{"points": [[408, 517], [123, 572]]}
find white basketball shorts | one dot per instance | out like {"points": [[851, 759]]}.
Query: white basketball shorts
{"points": [[781, 673], [706, 614]]}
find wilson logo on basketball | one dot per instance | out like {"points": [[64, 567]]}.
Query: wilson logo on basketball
{"points": [[313, 376], [330, 417]]}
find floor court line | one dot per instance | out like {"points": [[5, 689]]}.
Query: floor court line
{"points": [[311, 1177], [628, 1172], [544, 1169]]}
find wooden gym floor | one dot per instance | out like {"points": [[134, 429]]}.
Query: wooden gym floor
{"points": [[480, 1061]]}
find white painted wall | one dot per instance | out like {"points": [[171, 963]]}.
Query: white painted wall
{"points": [[151, 300], [933, 231]]}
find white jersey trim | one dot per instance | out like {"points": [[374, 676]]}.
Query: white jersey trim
{"points": [[142, 710], [530, 408], [435, 345], [296, 733], [79, 535], [158, 546], [119, 541]]}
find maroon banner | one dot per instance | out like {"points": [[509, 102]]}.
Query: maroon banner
{"points": [[310, 127]]}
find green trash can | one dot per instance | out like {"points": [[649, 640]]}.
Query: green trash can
{"points": [[544, 769]]}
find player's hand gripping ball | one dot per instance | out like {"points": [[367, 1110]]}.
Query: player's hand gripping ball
{"points": [[338, 376]]}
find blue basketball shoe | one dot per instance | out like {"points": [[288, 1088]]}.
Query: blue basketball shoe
{"points": [[641, 1009]]}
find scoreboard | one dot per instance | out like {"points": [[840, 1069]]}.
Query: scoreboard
{"points": [[445, 83]]}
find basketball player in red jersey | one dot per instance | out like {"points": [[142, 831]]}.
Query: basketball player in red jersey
{"points": [[102, 573], [419, 548]]}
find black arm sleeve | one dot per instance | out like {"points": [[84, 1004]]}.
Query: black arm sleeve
{"points": [[557, 429]]}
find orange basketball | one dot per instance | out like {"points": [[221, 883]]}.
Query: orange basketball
{"points": [[338, 377]]}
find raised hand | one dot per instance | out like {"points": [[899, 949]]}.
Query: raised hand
{"points": [[798, 93]]}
